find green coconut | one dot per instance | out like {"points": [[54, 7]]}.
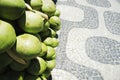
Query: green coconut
{"points": [[50, 53], [53, 42], [31, 77], [7, 36], [44, 50], [36, 4], [27, 46], [18, 66], [51, 64], [31, 22], [12, 75], [48, 7], [5, 60], [11, 10], [37, 66]]}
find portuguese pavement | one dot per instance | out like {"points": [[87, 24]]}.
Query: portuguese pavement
{"points": [[89, 47]]}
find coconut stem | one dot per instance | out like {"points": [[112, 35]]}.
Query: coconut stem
{"points": [[28, 7], [42, 14], [12, 54], [39, 12]]}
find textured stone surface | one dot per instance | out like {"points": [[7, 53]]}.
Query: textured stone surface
{"points": [[70, 11], [101, 3], [89, 46], [112, 21], [103, 50], [118, 1], [76, 51], [62, 75]]}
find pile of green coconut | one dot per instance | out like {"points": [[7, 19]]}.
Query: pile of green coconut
{"points": [[28, 39]]}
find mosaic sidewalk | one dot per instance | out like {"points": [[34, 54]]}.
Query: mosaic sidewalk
{"points": [[89, 46]]}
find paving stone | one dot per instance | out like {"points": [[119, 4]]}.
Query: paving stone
{"points": [[84, 37], [71, 13], [112, 22], [76, 51], [103, 50], [118, 1], [101, 3]]}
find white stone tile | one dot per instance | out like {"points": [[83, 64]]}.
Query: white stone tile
{"points": [[58, 74], [75, 51], [71, 13]]}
